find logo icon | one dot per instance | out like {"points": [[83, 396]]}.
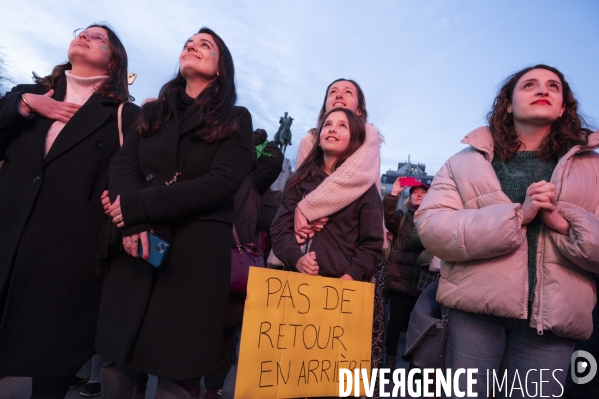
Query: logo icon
{"points": [[589, 363]]}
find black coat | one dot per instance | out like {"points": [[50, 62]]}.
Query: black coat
{"points": [[403, 265], [51, 216], [265, 171], [169, 321]]}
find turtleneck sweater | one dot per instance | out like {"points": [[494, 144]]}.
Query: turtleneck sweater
{"points": [[79, 90]]}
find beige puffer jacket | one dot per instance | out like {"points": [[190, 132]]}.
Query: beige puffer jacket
{"points": [[466, 220]]}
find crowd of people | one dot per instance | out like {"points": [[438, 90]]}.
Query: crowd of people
{"points": [[89, 179]]}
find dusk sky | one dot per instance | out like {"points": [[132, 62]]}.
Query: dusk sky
{"points": [[430, 69]]}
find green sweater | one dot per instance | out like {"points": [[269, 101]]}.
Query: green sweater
{"points": [[515, 176]]}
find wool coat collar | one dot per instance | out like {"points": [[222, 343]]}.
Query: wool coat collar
{"points": [[191, 122], [90, 117], [174, 129]]}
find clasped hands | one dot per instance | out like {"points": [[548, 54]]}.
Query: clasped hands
{"points": [[130, 243], [540, 199], [304, 230]]}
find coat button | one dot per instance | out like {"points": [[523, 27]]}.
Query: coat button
{"points": [[37, 179], [97, 144], [149, 177]]}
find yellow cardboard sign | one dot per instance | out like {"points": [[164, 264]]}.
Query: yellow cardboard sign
{"points": [[298, 331]]}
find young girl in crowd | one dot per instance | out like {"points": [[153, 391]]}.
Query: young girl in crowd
{"points": [[56, 139], [350, 246], [351, 180], [345, 185], [515, 218], [169, 321]]}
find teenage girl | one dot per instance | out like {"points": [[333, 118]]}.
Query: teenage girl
{"points": [[351, 244]]}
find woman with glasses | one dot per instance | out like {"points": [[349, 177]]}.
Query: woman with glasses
{"points": [[57, 137]]}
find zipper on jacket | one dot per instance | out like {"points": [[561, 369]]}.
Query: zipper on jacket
{"points": [[540, 282]]}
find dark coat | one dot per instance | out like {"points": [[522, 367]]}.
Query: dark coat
{"points": [[403, 265], [169, 321], [265, 171], [51, 217], [350, 243]]}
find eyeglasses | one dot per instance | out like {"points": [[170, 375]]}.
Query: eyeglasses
{"points": [[93, 36]]}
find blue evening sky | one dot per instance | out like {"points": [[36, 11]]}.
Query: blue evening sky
{"points": [[430, 69]]}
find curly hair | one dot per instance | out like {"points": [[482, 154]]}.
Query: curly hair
{"points": [[116, 86], [566, 132]]}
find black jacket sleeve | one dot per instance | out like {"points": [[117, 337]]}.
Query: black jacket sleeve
{"points": [[369, 250], [228, 169], [141, 206], [284, 243], [269, 168], [11, 120], [392, 216], [126, 181]]}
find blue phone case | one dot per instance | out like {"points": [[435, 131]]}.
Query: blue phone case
{"points": [[157, 250]]}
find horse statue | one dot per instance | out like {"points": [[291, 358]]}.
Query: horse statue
{"points": [[283, 136]]}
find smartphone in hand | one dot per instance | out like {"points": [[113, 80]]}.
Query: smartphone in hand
{"points": [[157, 250], [410, 181]]}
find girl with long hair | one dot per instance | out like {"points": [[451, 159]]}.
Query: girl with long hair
{"points": [[515, 219], [346, 184], [351, 180], [175, 176], [57, 137], [350, 246]]}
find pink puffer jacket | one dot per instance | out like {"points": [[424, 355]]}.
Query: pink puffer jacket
{"points": [[466, 220]]}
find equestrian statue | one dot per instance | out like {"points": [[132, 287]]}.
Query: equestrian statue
{"points": [[283, 136]]}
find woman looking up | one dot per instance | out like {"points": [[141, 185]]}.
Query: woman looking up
{"points": [[515, 218], [57, 137], [169, 321], [350, 247], [403, 265], [354, 177]]}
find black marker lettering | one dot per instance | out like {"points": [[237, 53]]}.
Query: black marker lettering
{"points": [[343, 300], [326, 302], [265, 333], [336, 337], [302, 294], [264, 371], [286, 288], [280, 371], [269, 290]]}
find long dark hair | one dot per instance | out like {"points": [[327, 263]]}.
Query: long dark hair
{"points": [[116, 86], [215, 103], [315, 158], [361, 103], [566, 132]]}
